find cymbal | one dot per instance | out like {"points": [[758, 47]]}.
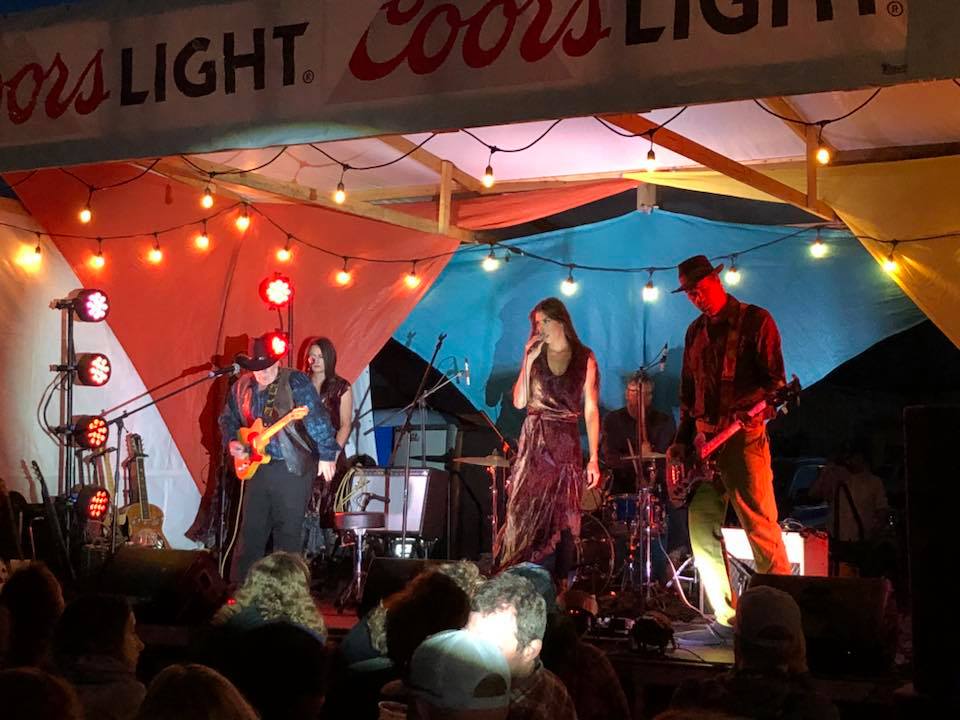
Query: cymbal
{"points": [[646, 456], [487, 461]]}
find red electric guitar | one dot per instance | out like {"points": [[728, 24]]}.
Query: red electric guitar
{"points": [[255, 439]]}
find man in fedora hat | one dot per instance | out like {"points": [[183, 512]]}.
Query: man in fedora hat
{"points": [[275, 498], [731, 359]]}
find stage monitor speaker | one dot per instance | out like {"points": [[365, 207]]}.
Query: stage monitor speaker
{"points": [[166, 587], [933, 496], [426, 499], [850, 624], [807, 553], [389, 575]]}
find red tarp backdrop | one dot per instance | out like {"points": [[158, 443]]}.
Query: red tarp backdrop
{"points": [[195, 305]]}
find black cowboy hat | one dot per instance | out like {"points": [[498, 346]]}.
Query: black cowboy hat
{"points": [[693, 270], [259, 359]]}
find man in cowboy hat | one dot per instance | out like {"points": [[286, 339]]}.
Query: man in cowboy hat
{"points": [[275, 497], [731, 359]]}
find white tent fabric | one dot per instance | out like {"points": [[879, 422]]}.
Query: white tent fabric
{"points": [[30, 335]]}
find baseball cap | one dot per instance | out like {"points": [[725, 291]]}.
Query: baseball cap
{"points": [[457, 670]]}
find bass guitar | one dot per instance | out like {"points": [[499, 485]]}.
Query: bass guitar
{"points": [[53, 522], [255, 439], [144, 521], [684, 477]]}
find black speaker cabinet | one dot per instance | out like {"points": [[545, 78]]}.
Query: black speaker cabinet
{"points": [[933, 496], [166, 587], [850, 624]]}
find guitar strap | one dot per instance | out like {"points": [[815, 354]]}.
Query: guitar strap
{"points": [[730, 360]]}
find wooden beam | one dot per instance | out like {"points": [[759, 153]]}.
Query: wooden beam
{"points": [[446, 196], [429, 160], [783, 106], [665, 137], [812, 147], [311, 196]]}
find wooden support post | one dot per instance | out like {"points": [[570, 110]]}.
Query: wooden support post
{"points": [[446, 196], [812, 145]]}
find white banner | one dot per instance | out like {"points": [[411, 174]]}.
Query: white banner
{"points": [[116, 80]]}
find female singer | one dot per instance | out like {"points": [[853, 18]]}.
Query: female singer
{"points": [[558, 382], [337, 397]]}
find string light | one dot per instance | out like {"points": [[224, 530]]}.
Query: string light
{"points": [[243, 219], [206, 201], [823, 152], [491, 262], [732, 276], [340, 196], [86, 213], [819, 248], [284, 254], [890, 264], [569, 286], [651, 164], [156, 254], [37, 251], [98, 261], [411, 279], [344, 276], [650, 291], [202, 241], [488, 178]]}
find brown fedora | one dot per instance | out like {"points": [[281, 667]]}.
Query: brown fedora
{"points": [[693, 270]]}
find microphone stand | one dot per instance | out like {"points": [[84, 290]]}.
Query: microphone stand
{"points": [[119, 422]]}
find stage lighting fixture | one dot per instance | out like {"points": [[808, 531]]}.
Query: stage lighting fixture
{"points": [[93, 369], [276, 291], [278, 343], [89, 305], [90, 431], [93, 502]]}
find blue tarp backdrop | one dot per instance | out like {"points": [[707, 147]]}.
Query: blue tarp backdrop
{"points": [[828, 310]]}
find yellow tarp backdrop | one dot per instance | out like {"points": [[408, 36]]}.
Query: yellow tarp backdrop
{"points": [[890, 201]]}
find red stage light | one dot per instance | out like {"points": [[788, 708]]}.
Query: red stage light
{"points": [[277, 344], [98, 504], [276, 291], [90, 431], [91, 305], [93, 369]]}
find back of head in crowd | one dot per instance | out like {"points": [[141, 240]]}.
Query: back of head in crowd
{"points": [[510, 612], [455, 675], [33, 601], [193, 692], [278, 588], [430, 603], [769, 632], [97, 625], [32, 694]]}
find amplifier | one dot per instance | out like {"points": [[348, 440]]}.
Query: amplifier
{"points": [[426, 498], [807, 552]]}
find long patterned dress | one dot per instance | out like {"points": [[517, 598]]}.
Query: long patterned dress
{"points": [[321, 501], [547, 477]]}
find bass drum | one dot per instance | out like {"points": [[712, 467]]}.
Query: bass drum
{"points": [[596, 558]]}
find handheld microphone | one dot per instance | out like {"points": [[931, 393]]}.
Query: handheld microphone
{"points": [[466, 370], [228, 370]]}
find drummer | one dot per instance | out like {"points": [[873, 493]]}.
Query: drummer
{"points": [[619, 434]]}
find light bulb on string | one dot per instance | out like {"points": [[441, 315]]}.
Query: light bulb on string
{"points": [[488, 178], [202, 241], [569, 286], [650, 292], [411, 279], [86, 213], [344, 276], [819, 248], [98, 261], [340, 195], [285, 254], [491, 262], [823, 152], [37, 252], [732, 275], [243, 219], [206, 200], [890, 264], [651, 163], [156, 254]]}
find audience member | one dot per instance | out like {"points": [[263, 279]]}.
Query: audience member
{"points": [[281, 669], [277, 587], [509, 611], [32, 694], [193, 692], [33, 601], [96, 648], [769, 679], [455, 675]]}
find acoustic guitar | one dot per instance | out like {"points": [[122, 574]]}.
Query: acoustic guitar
{"points": [[255, 439], [144, 521]]}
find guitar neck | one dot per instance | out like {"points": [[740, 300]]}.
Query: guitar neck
{"points": [[712, 445], [277, 427]]}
